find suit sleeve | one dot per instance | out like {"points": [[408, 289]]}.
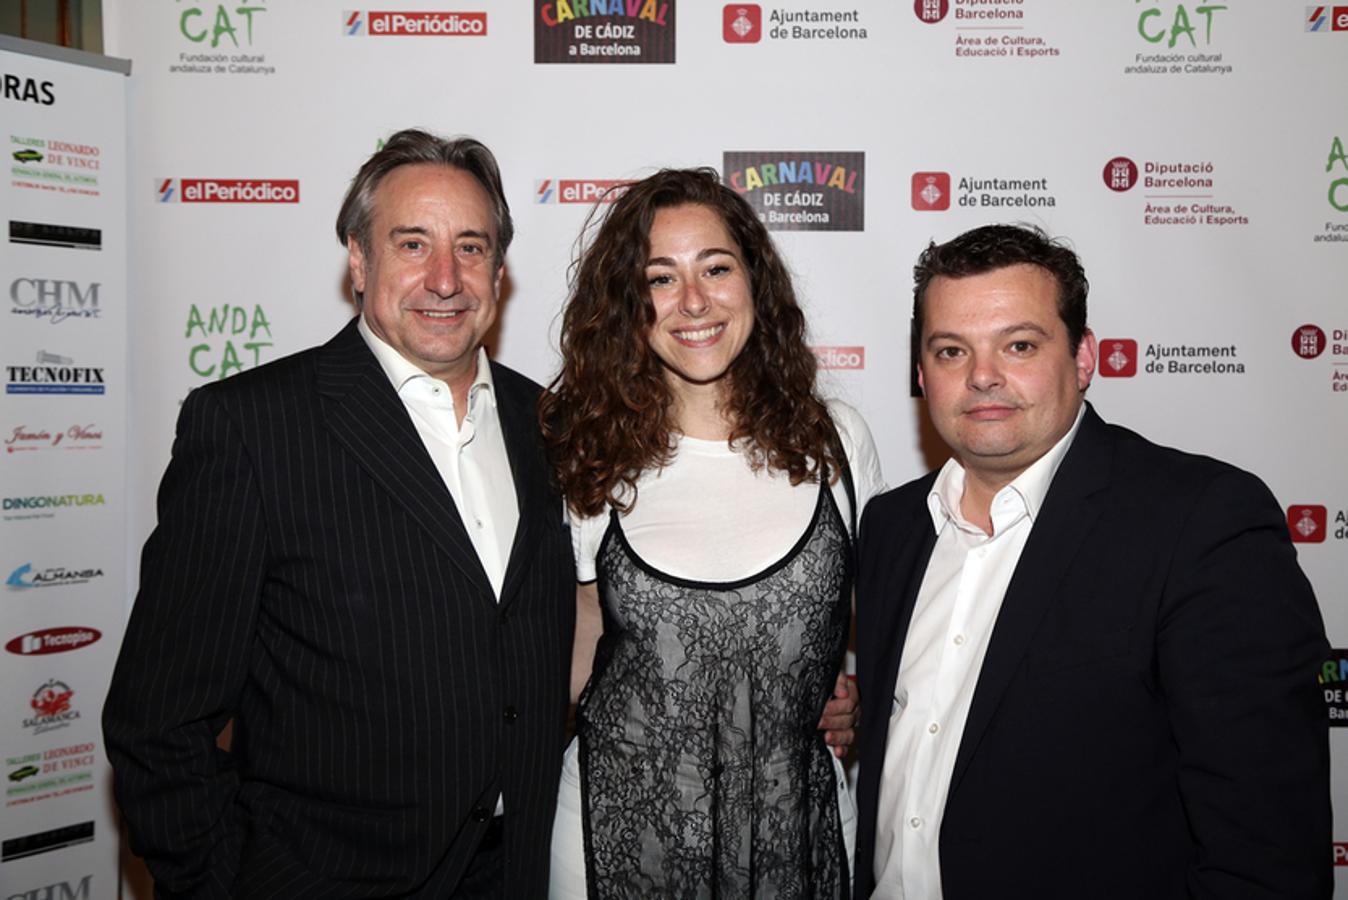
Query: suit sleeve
{"points": [[1240, 639], [183, 661]]}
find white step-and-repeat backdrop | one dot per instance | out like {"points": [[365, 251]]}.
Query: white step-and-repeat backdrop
{"points": [[1194, 153]]}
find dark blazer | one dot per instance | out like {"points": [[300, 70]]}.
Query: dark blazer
{"points": [[311, 579], [1146, 724]]}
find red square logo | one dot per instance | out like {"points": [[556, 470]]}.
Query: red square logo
{"points": [[1118, 358], [1307, 523], [931, 191], [742, 23]]}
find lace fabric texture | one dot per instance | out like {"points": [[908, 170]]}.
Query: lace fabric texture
{"points": [[703, 774]]}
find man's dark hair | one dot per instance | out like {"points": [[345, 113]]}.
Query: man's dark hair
{"points": [[994, 247], [410, 147]]}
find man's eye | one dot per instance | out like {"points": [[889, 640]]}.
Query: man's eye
{"points": [[471, 249], [412, 245], [947, 352], [1022, 346]]}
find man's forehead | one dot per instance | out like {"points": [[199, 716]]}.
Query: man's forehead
{"points": [[434, 188]]}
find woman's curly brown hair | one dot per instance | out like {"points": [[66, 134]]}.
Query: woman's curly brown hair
{"points": [[608, 415]]}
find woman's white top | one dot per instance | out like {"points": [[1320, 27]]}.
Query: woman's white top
{"points": [[708, 516]]}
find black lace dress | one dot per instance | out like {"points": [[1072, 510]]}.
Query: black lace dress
{"points": [[703, 774]]}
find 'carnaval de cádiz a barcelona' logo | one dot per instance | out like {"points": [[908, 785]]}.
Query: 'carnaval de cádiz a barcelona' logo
{"points": [[604, 31], [801, 190]]}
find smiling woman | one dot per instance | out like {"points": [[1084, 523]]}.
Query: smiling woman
{"points": [[714, 499]]}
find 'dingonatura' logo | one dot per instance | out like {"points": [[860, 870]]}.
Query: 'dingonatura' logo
{"points": [[604, 31], [801, 190]]}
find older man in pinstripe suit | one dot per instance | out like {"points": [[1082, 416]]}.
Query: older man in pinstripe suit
{"points": [[361, 562]]}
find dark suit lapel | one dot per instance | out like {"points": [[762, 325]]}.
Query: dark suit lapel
{"points": [[1065, 520], [519, 428], [364, 414]]}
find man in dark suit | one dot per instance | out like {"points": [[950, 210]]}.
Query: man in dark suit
{"points": [[361, 562], [1087, 662]]}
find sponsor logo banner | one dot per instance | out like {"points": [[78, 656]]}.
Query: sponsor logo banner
{"points": [[45, 841], [933, 192], [51, 708], [44, 507], [58, 890], [1310, 342], [1121, 358], [54, 374], [1333, 680], [382, 23], [227, 190], [1323, 19], [1180, 40], [53, 640], [604, 31], [231, 30], [26, 438], [578, 190], [840, 357], [1184, 192], [25, 577], [54, 300], [45, 234], [59, 772], [228, 339], [990, 29], [801, 190], [1336, 167], [742, 23], [50, 164]]}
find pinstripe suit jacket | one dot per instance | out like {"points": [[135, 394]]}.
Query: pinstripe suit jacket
{"points": [[311, 579]]}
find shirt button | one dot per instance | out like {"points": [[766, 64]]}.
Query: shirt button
{"points": [[933, 728], [915, 822], [479, 522], [510, 714], [959, 640], [480, 814]]}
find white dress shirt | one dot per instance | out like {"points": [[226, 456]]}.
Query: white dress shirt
{"points": [[953, 618], [470, 457]]}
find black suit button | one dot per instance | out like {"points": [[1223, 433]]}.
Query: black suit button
{"points": [[481, 814], [510, 715]]}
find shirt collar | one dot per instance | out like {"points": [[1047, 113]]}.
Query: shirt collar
{"points": [[400, 370], [1029, 487]]}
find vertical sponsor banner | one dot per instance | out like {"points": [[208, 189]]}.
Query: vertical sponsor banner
{"points": [[63, 422]]}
